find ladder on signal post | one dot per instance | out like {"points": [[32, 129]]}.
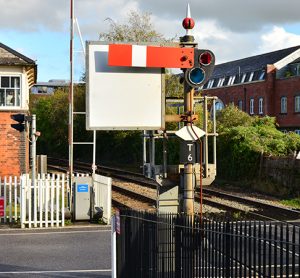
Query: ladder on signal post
{"points": [[71, 104]]}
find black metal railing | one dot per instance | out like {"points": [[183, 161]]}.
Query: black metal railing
{"points": [[180, 246]]}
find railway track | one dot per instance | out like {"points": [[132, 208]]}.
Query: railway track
{"points": [[129, 189], [254, 208], [127, 195]]}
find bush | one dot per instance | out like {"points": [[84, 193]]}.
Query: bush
{"points": [[243, 139]]}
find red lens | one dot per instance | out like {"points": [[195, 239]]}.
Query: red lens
{"points": [[205, 58]]}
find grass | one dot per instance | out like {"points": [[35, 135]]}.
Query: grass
{"points": [[294, 203]]}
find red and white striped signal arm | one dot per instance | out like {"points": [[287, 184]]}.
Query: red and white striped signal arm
{"points": [[128, 55]]}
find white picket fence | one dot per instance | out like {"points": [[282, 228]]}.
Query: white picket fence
{"points": [[38, 205], [10, 195]]}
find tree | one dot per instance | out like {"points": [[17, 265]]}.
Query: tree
{"points": [[243, 138], [137, 29]]}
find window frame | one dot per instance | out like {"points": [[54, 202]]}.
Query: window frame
{"points": [[251, 106], [297, 103], [261, 106], [16, 90], [283, 104], [240, 104]]}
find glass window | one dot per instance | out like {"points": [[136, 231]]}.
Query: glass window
{"points": [[251, 76], [283, 105], [10, 91], [240, 104], [221, 81], [214, 83], [243, 78], [262, 75], [297, 103], [4, 82], [251, 106], [219, 105], [210, 83], [226, 81], [237, 79], [260, 105]]}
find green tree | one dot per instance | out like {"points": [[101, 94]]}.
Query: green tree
{"points": [[138, 28], [242, 139]]}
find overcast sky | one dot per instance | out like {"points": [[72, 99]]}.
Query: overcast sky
{"points": [[232, 29]]}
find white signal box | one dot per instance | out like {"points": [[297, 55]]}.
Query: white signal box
{"points": [[122, 98]]}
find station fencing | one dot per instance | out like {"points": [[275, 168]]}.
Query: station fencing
{"points": [[181, 246], [41, 204]]}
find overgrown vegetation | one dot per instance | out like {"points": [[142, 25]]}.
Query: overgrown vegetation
{"points": [[294, 203], [243, 139]]}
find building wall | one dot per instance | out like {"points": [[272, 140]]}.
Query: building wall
{"points": [[14, 158], [271, 90], [14, 147], [289, 88]]}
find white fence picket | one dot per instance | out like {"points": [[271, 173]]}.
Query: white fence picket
{"points": [[10, 199], [52, 201], [63, 201], [16, 198], [5, 199], [57, 200], [39, 205]]}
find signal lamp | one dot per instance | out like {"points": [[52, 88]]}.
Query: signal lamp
{"points": [[205, 58], [196, 75], [204, 62], [20, 118]]}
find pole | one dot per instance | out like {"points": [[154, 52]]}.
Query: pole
{"points": [[33, 162], [188, 194], [94, 152], [71, 95], [144, 152], [33, 149]]}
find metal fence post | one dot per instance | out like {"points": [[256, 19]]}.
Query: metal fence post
{"points": [[227, 250], [113, 248]]}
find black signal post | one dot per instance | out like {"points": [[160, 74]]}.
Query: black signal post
{"points": [[204, 61]]}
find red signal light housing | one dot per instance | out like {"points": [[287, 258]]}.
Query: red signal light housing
{"points": [[205, 58]]}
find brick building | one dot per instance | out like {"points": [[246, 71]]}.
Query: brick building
{"points": [[17, 74], [267, 84]]}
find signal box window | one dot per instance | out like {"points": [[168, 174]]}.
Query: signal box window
{"points": [[283, 105], [297, 104], [251, 106], [10, 91]]}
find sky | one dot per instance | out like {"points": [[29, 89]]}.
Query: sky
{"points": [[232, 29]]}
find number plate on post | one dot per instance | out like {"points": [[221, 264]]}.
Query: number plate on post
{"points": [[188, 152]]}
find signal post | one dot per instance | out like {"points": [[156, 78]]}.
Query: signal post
{"points": [[193, 77], [111, 62]]}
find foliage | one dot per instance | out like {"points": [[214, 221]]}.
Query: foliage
{"points": [[243, 139], [52, 121], [173, 86], [137, 29], [294, 203]]}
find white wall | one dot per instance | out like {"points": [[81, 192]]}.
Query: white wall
{"points": [[17, 71]]}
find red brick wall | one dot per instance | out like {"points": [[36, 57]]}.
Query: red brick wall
{"points": [[13, 148], [271, 90], [289, 88], [242, 92]]}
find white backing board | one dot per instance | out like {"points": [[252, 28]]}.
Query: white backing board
{"points": [[121, 98]]}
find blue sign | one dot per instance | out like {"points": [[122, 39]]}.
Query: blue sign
{"points": [[82, 188]]}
